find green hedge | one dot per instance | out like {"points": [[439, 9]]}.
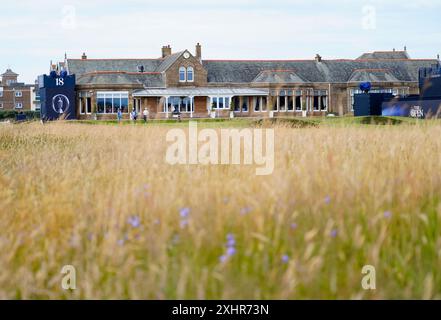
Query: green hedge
{"points": [[10, 114]]}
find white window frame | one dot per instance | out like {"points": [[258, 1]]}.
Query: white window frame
{"points": [[114, 95], [1, 92], [295, 95], [224, 99], [182, 70], [19, 105], [18, 94], [261, 104], [84, 96], [189, 105], [319, 94], [190, 69]]}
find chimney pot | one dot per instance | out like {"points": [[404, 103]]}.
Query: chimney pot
{"points": [[198, 51], [318, 58], [166, 51], [84, 57]]}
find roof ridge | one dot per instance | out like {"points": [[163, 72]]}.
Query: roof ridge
{"points": [[119, 72], [100, 59], [372, 69]]}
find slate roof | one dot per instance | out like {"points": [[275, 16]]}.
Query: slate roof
{"points": [[152, 80], [279, 76], [385, 55], [79, 67], [334, 71], [257, 71], [372, 75], [168, 61]]}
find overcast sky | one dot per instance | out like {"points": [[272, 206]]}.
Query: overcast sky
{"points": [[35, 32]]}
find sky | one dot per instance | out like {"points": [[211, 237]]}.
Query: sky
{"points": [[35, 32]]}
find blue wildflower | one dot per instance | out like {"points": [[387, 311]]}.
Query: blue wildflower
{"points": [[223, 259], [285, 258], [334, 233]]}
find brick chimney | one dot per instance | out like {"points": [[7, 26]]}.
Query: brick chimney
{"points": [[198, 51], [166, 51], [84, 57], [318, 58]]}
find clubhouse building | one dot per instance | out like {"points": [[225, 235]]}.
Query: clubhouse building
{"points": [[201, 88]]}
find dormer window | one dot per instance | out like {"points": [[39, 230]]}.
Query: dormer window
{"points": [[182, 74], [190, 74], [186, 74]]}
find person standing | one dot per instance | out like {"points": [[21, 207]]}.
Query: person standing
{"points": [[145, 115], [134, 115], [119, 115]]}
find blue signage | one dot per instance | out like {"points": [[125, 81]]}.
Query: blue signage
{"points": [[411, 107], [57, 94]]}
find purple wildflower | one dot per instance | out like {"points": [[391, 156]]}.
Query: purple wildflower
{"points": [[134, 221], [231, 243], [223, 259], [121, 242], [285, 258], [387, 214], [184, 212], [334, 233], [231, 251], [184, 223], [245, 211], [328, 200], [294, 226]]}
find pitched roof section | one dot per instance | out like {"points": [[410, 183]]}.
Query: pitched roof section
{"points": [[150, 79], [334, 71], [372, 75], [80, 67], [279, 76], [385, 55], [168, 61], [261, 71], [9, 72]]}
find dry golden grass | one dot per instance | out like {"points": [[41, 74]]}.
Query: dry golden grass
{"points": [[341, 197]]}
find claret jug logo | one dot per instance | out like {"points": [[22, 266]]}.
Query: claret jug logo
{"points": [[60, 103]]}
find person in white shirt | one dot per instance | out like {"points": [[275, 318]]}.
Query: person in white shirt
{"points": [[145, 115]]}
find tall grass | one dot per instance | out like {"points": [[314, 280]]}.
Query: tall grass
{"points": [[103, 199]]}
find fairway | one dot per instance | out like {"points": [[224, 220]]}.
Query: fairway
{"points": [[344, 194]]}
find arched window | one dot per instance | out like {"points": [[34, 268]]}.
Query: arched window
{"points": [[182, 74], [190, 74]]}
